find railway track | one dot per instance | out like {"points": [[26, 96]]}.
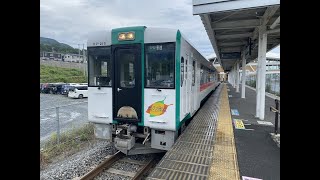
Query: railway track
{"points": [[107, 166]]}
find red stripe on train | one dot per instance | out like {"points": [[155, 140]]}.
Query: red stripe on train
{"points": [[204, 86]]}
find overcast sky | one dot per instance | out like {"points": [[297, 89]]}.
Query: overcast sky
{"points": [[69, 21]]}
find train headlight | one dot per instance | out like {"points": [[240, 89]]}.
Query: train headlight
{"points": [[126, 36], [130, 36], [121, 36]]}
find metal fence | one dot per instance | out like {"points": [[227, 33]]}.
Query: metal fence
{"points": [[272, 87], [272, 82], [61, 117]]}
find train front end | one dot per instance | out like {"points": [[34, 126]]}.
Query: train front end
{"points": [[131, 75]]}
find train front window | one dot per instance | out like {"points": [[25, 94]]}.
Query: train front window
{"points": [[159, 65], [99, 62], [127, 60]]}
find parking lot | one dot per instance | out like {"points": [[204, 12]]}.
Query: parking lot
{"points": [[72, 113]]}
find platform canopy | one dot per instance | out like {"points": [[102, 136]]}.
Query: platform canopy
{"points": [[233, 27]]}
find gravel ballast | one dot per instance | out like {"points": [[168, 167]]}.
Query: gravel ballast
{"points": [[78, 164]]}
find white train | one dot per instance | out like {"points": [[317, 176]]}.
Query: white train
{"points": [[145, 84]]}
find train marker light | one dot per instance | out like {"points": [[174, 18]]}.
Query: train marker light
{"points": [[121, 36], [130, 36], [126, 36]]}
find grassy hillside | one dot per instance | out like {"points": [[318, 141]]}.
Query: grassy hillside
{"points": [[47, 44], [49, 74]]}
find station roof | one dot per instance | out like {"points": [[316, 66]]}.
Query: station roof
{"points": [[252, 66], [233, 26]]}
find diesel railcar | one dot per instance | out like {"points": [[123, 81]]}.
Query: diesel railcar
{"points": [[145, 84]]}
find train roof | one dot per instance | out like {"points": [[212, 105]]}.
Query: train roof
{"points": [[151, 35]]}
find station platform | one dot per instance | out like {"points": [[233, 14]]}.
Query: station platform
{"points": [[258, 154], [212, 148]]}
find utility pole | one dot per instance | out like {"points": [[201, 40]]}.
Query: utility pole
{"points": [[52, 53], [83, 53], [83, 58], [79, 51]]}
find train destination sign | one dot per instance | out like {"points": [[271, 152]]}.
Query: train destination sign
{"points": [[232, 55]]}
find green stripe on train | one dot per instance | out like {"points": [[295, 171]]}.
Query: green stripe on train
{"points": [[178, 47], [141, 123], [139, 38]]}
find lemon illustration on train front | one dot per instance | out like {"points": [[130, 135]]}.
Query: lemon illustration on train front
{"points": [[158, 108]]}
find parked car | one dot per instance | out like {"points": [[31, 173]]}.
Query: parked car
{"points": [[79, 91], [66, 87], [47, 88], [52, 88], [58, 88]]}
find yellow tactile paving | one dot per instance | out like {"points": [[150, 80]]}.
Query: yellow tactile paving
{"points": [[224, 130], [225, 163], [226, 149]]}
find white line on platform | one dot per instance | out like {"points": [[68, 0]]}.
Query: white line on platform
{"points": [[249, 178], [265, 123]]}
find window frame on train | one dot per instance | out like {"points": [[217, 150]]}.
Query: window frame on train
{"points": [[171, 69], [93, 65]]}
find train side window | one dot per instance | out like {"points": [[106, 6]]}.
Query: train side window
{"points": [[208, 76], [186, 67], [201, 75], [193, 72], [182, 71]]}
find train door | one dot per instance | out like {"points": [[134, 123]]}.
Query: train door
{"points": [[193, 91], [187, 85], [127, 83], [182, 81]]}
